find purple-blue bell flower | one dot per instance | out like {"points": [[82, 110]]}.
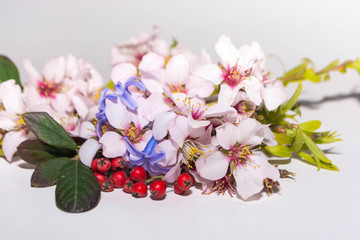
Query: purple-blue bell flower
{"points": [[147, 158], [121, 92], [124, 94]]}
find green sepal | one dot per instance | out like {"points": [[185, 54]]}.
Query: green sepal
{"points": [[310, 126], [46, 174], [77, 188], [36, 152], [48, 130], [174, 43], [8, 70], [307, 157], [279, 151]]}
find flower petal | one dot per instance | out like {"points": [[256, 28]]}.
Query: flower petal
{"points": [[199, 87], [212, 167], [117, 114], [170, 149], [161, 123], [227, 135], [123, 71], [227, 52], [210, 72], [32, 75], [54, 70], [177, 70], [88, 150], [113, 144], [8, 120], [227, 94], [11, 97], [11, 141], [274, 95]]}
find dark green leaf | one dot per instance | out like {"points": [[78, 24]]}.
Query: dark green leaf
{"points": [[298, 141], [8, 70], [310, 126], [46, 174], [77, 188], [292, 101], [48, 130], [279, 151], [36, 152]]}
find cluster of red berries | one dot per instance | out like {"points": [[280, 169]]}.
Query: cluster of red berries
{"points": [[115, 174]]}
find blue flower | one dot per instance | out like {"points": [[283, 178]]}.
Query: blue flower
{"points": [[122, 93], [147, 158]]}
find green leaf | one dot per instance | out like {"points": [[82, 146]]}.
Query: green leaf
{"points": [[36, 152], [283, 139], [291, 102], [8, 70], [311, 76], [310, 126], [298, 141], [355, 64], [315, 149], [77, 188], [331, 66], [298, 70], [307, 157], [48, 130], [279, 151], [46, 174]]}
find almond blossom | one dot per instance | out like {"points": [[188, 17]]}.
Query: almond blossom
{"points": [[239, 156]]}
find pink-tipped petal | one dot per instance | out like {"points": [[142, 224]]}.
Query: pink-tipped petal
{"points": [[227, 135], [177, 70]]}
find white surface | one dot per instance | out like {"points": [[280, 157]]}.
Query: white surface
{"points": [[318, 205]]}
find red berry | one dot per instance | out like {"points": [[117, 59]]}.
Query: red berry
{"points": [[184, 181], [128, 184], [138, 174], [100, 177], [117, 164], [158, 188], [93, 164], [107, 185], [103, 165], [139, 190], [118, 178], [178, 190]]}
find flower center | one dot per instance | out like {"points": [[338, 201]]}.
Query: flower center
{"points": [[48, 89], [133, 133], [239, 155], [177, 89], [192, 151], [233, 75]]}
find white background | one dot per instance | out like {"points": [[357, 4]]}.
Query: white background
{"points": [[317, 205]]}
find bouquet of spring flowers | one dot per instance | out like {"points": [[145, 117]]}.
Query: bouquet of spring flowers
{"points": [[167, 120]]}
